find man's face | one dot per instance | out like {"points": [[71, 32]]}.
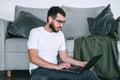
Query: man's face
{"points": [[57, 23]]}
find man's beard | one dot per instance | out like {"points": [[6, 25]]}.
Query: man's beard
{"points": [[53, 28]]}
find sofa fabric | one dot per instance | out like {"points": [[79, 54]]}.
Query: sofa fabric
{"points": [[3, 31], [76, 20], [70, 47], [16, 61], [16, 45], [41, 13], [16, 56]]}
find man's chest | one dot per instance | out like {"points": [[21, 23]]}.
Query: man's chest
{"points": [[49, 42]]}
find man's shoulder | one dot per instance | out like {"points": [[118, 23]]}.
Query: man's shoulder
{"points": [[37, 28], [60, 32]]}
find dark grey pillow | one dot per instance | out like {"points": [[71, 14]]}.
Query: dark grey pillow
{"points": [[23, 24], [102, 24]]}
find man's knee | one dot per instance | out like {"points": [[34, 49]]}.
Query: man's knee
{"points": [[38, 77], [90, 75]]}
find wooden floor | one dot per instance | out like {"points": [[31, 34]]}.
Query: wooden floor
{"points": [[16, 75]]}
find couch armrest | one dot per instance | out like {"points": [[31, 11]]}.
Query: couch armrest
{"points": [[3, 33]]}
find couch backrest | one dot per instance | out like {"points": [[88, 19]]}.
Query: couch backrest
{"points": [[76, 20], [38, 12]]}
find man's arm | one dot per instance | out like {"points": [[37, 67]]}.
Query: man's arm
{"points": [[67, 59], [35, 59]]}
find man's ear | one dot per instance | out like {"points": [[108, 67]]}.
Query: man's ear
{"points": [[50, 19]]}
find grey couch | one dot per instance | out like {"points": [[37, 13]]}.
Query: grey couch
{"points": [[13, 51]]}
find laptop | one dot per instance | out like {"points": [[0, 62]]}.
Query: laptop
{"points": [[90, 64]]}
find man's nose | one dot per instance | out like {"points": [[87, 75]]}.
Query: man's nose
{"points": [[61, 24]]}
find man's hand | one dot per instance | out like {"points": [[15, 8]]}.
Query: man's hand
{"points": [[63, 65], [82, 64]]}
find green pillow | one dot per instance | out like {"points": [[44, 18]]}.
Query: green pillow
{"points": [[103, 23], [23, 24]]}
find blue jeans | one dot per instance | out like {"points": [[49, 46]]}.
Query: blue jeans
{"points": [[50, 74]]}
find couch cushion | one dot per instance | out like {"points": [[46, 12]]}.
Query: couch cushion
{"points": [[24, 23], [41, 13], [16, 45], [70, 47], [16, 61], [76, 20], [103, 23]]}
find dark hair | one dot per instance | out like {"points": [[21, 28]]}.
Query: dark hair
{"points": [[53, 11]]}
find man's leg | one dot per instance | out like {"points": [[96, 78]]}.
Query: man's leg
{"points": [[49, 74], [90, 75], [38, 77]]}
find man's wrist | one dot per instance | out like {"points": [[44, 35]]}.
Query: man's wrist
{"points": [[55, 67]]}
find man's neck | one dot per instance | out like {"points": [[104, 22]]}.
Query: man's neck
{"points": [[47, 28]]}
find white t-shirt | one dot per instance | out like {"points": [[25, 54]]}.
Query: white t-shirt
{"points": [[47, 43]]}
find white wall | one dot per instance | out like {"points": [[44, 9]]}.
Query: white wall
{"points": [[7, 6]]}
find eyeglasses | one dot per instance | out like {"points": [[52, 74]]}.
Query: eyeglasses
{"points": [[60, 21]]}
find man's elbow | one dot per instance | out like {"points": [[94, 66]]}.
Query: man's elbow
{"points": [[33, 59]]}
